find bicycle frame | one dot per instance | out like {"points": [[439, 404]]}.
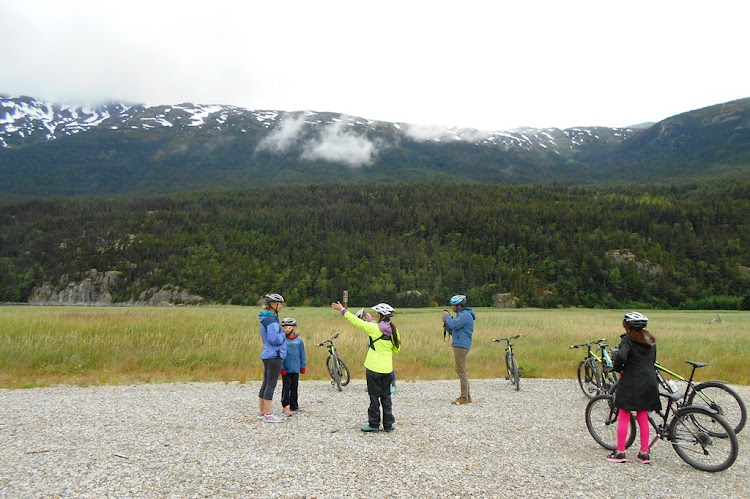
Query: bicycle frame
{"points": [[690, 383]]}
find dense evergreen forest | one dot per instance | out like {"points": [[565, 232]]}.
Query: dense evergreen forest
{"points": [[407, 244]]}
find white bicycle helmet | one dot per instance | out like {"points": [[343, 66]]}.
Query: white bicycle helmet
{"points": [[636, 320], [384, 309], [360, 314], [288, 322], [274, 297]]}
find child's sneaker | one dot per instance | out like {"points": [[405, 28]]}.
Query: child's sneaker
{"points": [[272, 418], [644, 457], [287, 411], [368, 428], [260, 415], [617, 457]]}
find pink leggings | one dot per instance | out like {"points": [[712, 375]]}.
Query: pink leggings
{"points": [[623, 423]]}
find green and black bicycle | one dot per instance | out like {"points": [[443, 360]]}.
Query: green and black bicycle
{"points": [[701, 437], [593, 376]]}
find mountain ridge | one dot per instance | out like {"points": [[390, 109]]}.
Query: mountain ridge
{"points": [[50, 149]]}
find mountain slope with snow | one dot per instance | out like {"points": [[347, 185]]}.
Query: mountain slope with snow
{"points": [[50, 149]]}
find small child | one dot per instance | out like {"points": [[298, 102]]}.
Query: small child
{"points": [[294, 365]]}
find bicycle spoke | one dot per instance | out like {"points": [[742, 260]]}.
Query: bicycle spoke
{"points": [[723, 400], [693, 437]]}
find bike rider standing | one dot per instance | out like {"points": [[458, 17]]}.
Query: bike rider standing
{"points": [[461, 328], [384, 342]]}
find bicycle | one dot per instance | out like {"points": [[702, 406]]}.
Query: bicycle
{"points": [[593, 378], [514, 374], [336, 366], [701, 437], [713, 394]]}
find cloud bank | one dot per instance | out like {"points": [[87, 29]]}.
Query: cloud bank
{"points": [[334, 143]]}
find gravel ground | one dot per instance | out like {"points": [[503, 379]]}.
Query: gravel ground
{"points": [[202, 440]]}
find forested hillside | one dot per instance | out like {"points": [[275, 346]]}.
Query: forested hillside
{"points": [[546, 246]]}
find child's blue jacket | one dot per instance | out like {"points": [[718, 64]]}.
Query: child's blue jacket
{"points": [[295, 355]]}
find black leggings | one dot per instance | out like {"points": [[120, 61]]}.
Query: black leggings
{"points": [[271, 371]]}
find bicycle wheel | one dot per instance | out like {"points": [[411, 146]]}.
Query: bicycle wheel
{"points": [[691, 434], [721, 399], [588, 379], [601, 421], [516, 379], [333, 370], [344, 371]]}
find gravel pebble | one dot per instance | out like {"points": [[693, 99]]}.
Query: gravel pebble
{"points": [[202, 439]]}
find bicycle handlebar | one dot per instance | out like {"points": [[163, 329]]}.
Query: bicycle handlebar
{"points": [[601, 343], [329, 340], [507, 339]]}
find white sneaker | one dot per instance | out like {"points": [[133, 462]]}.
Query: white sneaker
{"points": [[260, 416], [272, 418]]}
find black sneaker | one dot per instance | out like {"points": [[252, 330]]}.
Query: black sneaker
{"points": [[644, 457], [617, 457]]}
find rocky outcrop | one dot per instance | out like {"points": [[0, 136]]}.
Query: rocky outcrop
{"points": [[165, 297], [504, 300], [96, 288]]}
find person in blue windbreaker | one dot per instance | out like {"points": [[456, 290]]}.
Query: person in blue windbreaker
{"points": [[272, 354], [294, 365], [461, 328]]}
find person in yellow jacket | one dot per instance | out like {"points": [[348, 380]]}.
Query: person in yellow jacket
{"points": [[384, 342]]}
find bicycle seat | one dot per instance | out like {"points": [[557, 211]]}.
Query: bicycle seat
{"points": [[674, 397], [696, 364]]}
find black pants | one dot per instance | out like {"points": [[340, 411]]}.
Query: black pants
{"points": [[271, 371], [379, 389], [289, 385]]}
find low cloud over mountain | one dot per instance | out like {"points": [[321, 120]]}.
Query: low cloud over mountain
{"points": [[335, 142]]}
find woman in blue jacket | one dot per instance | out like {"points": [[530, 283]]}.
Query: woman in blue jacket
{"points": [[461, 328], [272, 355]]}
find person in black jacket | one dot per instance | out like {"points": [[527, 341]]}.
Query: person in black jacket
{"points": [[638, 388]]}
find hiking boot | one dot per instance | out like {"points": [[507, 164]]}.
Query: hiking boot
{"points": [[460, 400], [644, 457], [272, 418], [617, 457], [368, 428]]}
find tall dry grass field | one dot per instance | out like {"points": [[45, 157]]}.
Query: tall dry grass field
{"points": [[42, 346]]}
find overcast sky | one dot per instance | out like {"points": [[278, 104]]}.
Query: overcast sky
{"points": [[492, 65]]}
